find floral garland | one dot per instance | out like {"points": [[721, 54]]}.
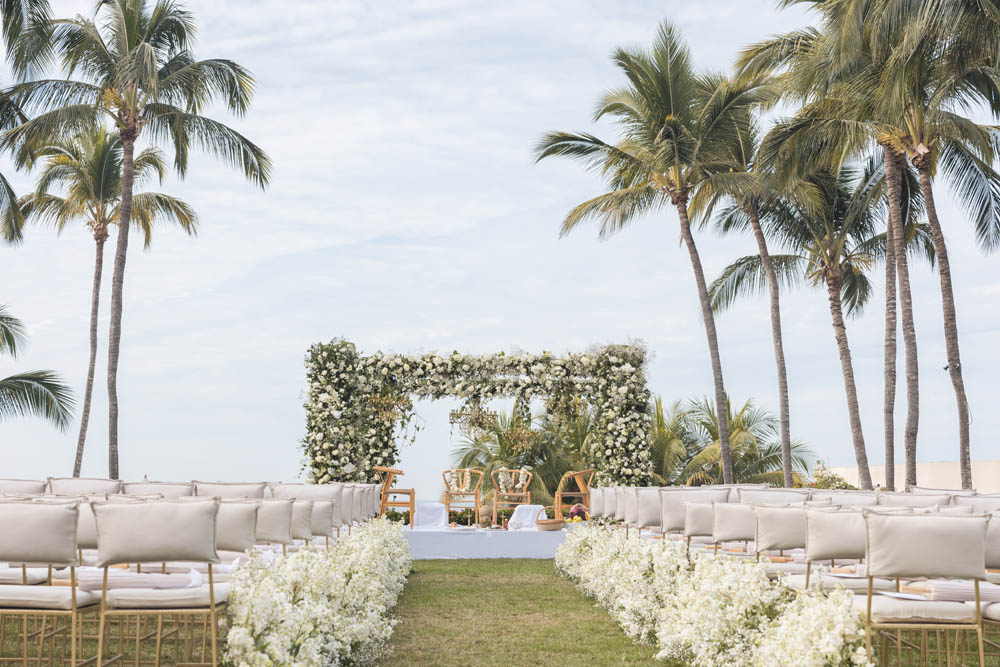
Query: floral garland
{"points": [[348, 429], [716, 611]]}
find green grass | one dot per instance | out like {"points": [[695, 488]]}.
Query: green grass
{"points": [[458, 613]]}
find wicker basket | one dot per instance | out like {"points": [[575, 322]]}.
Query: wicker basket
{"points": [[548, 524]]}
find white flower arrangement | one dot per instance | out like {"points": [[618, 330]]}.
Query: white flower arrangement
{"points": [[344, 387], [711, 612], [318, 607]]}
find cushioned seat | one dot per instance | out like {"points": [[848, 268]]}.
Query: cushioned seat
{"points": [[774, 569], [829, 583], [175, 598], [991, 612], [14, 575], [44, 597], [893, 610], [993, 577]]}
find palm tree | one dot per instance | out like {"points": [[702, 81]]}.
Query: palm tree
{"points": [[137, 68], [678, 128], [39, 393], [89, 169], [832, 247]]}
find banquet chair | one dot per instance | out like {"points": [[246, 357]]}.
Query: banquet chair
{"points": [[161, 531], [909, 546], [50, 615], [780, 528], [510, 489], [461, 491], [387, 476], [835, 535], [582, 494]]}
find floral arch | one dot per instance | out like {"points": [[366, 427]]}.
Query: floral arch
{"points": [[358, 406]]}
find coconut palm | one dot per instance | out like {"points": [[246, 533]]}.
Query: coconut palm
{"points": [[136, 67], [678, 128], [88, 169], [38, 393]]}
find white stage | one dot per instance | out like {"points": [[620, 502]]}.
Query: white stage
{"points": [[428, 543]]}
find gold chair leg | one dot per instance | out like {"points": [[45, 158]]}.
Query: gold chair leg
{"points": [[159, 639]]}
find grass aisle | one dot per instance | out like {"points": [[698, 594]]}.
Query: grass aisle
{"points": [[503, 612]]}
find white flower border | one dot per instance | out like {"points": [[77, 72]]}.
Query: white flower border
{"points": [[713, 611], [346, 435], [316, 607]]}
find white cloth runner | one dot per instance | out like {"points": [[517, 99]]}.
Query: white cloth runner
{"points": [[524, 517], [430, 515]]}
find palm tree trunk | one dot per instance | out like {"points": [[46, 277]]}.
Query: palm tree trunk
{"points": [[779, 350], [893, 173], [100, 237], [833, 287], [922, 164], [889, 382], [117, 283], [713, 340]]}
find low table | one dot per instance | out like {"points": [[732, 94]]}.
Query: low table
{"points": [[427, 543]]}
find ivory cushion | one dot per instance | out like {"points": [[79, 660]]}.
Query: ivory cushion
{"points": [[165, 489], [596, 502], [274, 521], [780, 528], [734, 489], [610, 504], [672, 499], [846, 498], [34, 532], [774, 570], [168, 598], [828, 582], [991, 611], [733, 522], [86, 525], [347, 505], [620, 503], [236, 525], [926, 545], [648, 507], [322, 519], [979, 504], [835, 534], [21, 486], [230, 489], [893, 610], [301, 527], [698, 519], [156, 531], [29, 576], [955, 509], [83, 486], [925, 491], [45, 597], [772, 496], [993, 543], [912, 500], [325, 492], [631, 505], [357, 503]]}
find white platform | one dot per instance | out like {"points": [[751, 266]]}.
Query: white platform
{"points": [[426, 543]]}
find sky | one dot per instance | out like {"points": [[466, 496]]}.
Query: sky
{"points": [[406, 214]]}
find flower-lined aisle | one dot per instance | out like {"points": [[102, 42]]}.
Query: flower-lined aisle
{"points": [[713, 611], [318, 607]]}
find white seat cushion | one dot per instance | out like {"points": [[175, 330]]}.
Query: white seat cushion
{"points": [[774, 569], [993, 577], [991, 612], [893, 610], [13, 575], [44, 597], [829, 583], [175, 598]]}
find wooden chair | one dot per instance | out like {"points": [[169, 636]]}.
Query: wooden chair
{"points": [[460, 492], [387, 476], [582, 496], [510, 489]]}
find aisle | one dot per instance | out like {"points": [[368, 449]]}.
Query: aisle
{"points": [[503, 613]]}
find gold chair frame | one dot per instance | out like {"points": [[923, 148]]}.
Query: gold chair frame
{"points": [[387, 476], [582, 479], [510, 499], [470, 497]]}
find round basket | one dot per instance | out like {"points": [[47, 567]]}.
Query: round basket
{"points": [[548, 524]]}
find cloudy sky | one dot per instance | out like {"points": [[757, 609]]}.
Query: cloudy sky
{"points": [[406, 214]]}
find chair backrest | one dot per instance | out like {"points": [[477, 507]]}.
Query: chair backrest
{"points": [[833, 534], [166, 489], [43, 533], [18, 487], [733, 522], [322, 519], [780, 528], [698, 519], [252, 490], [155, 531], [631, 505], [913, 500], [672, 499], [460, 480], [332, 493], [647, 506], [981, 504], [236, 524], [927, 491], [83, 486], [274, 521], [846, 498], [387, 476], [926, 545], [580, 477], [619, 503], [993, 543], [597, 503], [301, 526], [511, 480], [772, 496]]}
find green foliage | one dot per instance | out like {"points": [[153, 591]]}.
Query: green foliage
{"points": [[37, 393]]}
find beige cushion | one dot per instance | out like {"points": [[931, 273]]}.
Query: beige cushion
{"points": [[230, 489], [772, 496], [734, 489], [993, 543], [236, 525], [911, 500], [28, 576], [301, 527], [21, 486], [776, 569], [347, 505], [161, 530], [979, 504], [893, 610], [357, 502], [165, 489], [926, 545], [647, 507], [846, 498], [925, 491], [45, 597], [597, 502], [698, 519], [631, 505], [672, 499], [620, 503], [35, 532], [322, 519], [86, 526], [828, 582], [83, 486], [993, 577], [274, 521], [832, 534], [171, 598], [955, 509], [733, 522], [991, 612], [610, 502], [330, 492], [780, 528]]}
